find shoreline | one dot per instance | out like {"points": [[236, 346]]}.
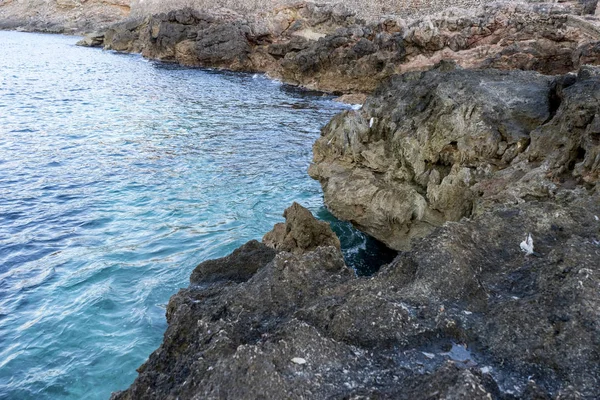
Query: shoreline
{"points": [[476, 155], [302, 315], [313, 47], [320, 47]]}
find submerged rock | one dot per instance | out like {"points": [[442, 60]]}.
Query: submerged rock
{"points": [[437, 146]]}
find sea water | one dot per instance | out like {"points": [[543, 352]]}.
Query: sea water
{"points": [[117, 177]]}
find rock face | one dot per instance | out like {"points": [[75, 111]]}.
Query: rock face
{"points": [[440, 145], [457, 168], [239, 266], [301, 232], [94, 39], [464, 315], [62, 16], [329, 48]]}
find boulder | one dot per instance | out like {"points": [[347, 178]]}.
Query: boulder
{"points": [[239, 266], [95, 39], [301, 232]]}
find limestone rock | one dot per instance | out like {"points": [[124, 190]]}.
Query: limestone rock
{"points": [[62, 16], [446, 143], [326, 47], [95, 39], [301, 232]]}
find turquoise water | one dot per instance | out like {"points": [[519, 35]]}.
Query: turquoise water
{"points": [[117, 177]]}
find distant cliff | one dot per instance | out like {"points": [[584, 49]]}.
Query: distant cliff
{"points": [[61, 16], [81, 16], [331, 48]]}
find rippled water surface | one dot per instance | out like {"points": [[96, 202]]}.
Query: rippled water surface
{"points": [[117, 177]]}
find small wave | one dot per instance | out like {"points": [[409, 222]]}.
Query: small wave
{"points": [[34, 281]]}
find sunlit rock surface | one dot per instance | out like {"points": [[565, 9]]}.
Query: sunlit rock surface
{"points": [[437, 146]]}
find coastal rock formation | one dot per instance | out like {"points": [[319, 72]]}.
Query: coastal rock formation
{"points": [[239, 266], [328, 48], [62, 16], [301, 232], [436, 146], [464, 315]]}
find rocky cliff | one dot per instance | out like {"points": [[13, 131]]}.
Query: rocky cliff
{"points": [[437, 146], [491, 178], [62, 16], [329, 48], [464, 315], [485, 178]]}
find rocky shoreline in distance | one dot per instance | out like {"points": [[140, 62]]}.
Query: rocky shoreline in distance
{"points": [[75, 17], [327, 48]]}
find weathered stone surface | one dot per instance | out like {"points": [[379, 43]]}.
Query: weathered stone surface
{"points": [[328, 48], [440, 145], [125, 36], [464, 315], [239, 266], [301, 232], [94, 39], [62, 16]]}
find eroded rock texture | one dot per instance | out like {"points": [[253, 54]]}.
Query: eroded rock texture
{"points": [[464, 315], [301, 232], [62, 16], [436, 146], [328, 48]]}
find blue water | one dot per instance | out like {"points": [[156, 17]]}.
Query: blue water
{"points": [[117, 177]]}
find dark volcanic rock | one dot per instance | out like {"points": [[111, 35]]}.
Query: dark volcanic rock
{"points": [[440, 145], [464, 315], [301, 232]]}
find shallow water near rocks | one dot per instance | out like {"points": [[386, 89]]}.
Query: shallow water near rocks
{"points": [[117, 177]]}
